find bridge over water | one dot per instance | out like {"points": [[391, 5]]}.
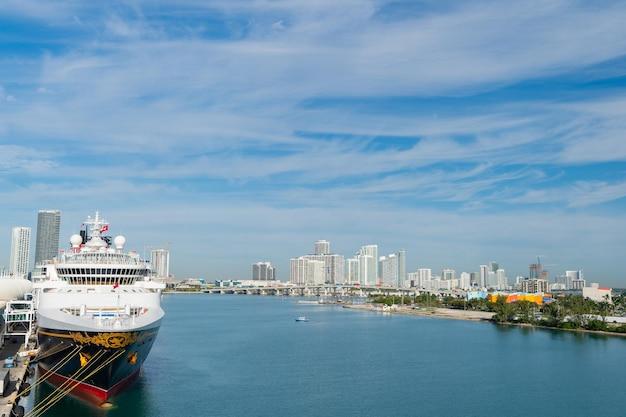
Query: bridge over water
{"points": [[328, 291]]}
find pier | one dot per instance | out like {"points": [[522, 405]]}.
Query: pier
{"points": [[13, 379]]}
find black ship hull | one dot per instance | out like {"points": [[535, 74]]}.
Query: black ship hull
{"points": [[93, 365]]}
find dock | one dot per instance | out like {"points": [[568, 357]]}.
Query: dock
{"points": [[17, 376]]}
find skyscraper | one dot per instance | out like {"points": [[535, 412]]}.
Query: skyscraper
{"points": [[482, 282], [263, 271], [392, 269], [322, 247], [501, 279], [20, 251], [535, 271], [305, 271], [298, 271], [367, 269], [47, 243], [334, 267], [401, 268], [352, 271], [448, 274], [389, 270], [570, 277], [160, 262], [425, 276], [465, 281], [334, 264], [369, 254]]}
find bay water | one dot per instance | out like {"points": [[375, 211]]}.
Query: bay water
{"points": [[229, 355]]}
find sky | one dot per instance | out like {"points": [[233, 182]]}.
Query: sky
{"points": [[238, 131]]}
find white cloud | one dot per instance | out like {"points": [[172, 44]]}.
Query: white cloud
{"points": [[176, 107]]}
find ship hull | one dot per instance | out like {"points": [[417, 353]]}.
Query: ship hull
{"points": [[93, 365]]}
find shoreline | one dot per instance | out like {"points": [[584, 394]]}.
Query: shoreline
{"points": [[470, 315], [436, 312]]}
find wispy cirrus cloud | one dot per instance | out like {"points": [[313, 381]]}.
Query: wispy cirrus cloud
{"points": [[458, 111]]}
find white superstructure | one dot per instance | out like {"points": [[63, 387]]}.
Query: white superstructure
{"points": [[97, 286]]}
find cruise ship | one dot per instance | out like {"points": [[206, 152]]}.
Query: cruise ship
{"points": [[98, 314]]}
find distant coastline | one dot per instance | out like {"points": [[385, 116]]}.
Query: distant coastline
{"points": [[437, 312], [467, 315]]}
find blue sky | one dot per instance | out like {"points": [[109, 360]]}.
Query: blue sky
{"points": [[238, 131]]}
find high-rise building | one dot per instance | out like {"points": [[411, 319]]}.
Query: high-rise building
{"points": [[389, 270], [20, 251], [160, 262], [420, 278], [535, 271], [298, 271], [402, 278], [448, 274], [306, 271], [482, 282], [534, 285], [47, 241], [352, 271], [473, 279], [316, 274], [465, 281], [392, 269], [263, 271], [369, 254], [366, 275], [493, 266], [322, 247], [425, 276], [570, 277], [501, 279], [334, 267]]}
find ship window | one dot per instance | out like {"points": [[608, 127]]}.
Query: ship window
{"points": [[93, 271], [109, 271]]}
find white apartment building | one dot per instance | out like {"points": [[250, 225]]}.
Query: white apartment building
{"points": [[20, 251]]}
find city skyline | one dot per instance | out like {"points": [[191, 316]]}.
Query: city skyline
{"points": [[322, 266], [462, 132]]}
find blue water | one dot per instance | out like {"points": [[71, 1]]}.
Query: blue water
{"points": [[227, 355]]}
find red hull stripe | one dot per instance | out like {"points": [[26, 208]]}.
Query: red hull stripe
{"points": [[91, 392]]}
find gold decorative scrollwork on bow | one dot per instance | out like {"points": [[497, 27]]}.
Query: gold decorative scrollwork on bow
{"points": [[106, 340]]}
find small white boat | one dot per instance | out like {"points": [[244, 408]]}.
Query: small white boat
{"points": [[301, 318]]}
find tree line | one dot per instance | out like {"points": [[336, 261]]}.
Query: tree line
{"points": [[565, 312]]}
